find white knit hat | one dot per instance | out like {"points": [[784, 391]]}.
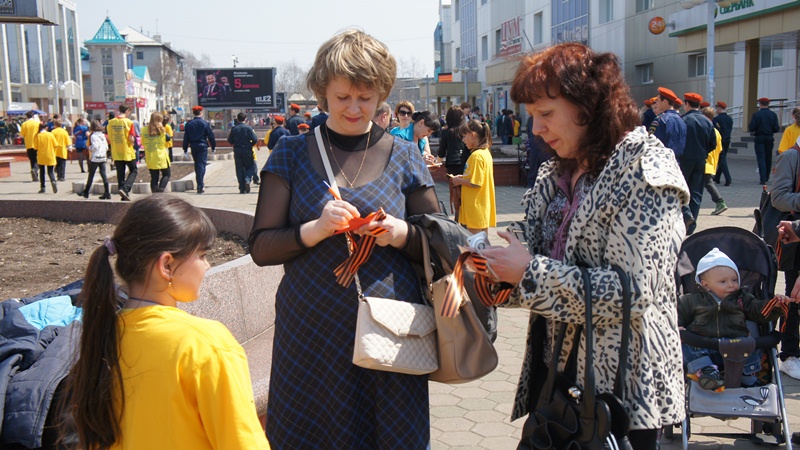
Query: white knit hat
{"points": [[714, 258]]}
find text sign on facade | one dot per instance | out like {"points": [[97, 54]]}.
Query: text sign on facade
{"points": [[511, 37]]}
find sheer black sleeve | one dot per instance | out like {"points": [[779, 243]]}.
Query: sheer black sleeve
{"points": [[421, 201], [273, 241]]}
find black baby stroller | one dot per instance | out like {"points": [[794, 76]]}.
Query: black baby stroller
{"points": [[765, 404]]}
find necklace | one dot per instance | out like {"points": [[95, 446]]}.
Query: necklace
{"points": [[363, 158]]}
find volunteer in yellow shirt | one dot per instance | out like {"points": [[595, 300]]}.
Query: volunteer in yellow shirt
{"points": [[791, 133], [29, 130], [478, 209], [712, 162], [63, 142], [151, 376], [169, 131], [45, 144], [121, 134], [154, 142]]}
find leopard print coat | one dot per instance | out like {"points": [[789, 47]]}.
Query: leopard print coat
{"points": [[631, 218]]}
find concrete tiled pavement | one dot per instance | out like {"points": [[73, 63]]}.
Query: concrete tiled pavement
{"points": [[476, 415]]}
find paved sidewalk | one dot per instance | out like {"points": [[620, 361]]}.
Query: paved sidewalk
{"points": [[475, 415]]}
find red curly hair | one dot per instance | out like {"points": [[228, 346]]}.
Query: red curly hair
{"points": [[594, 83]]}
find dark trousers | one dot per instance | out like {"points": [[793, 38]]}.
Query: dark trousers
{"points": [[169, 150], [94, 166], [245, 166], [81, 157], [764, 146], [457, 169], [61, 168], [708, 180], [157, 185], [32, 158], [693, 171], [200, 157], [790, 338], [50, 173], [722, 167], [126, 184]]}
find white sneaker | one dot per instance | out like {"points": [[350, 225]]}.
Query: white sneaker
{"points": [[791, 367]]}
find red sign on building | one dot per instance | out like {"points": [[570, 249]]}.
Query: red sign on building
{"points": [[511, 37]]}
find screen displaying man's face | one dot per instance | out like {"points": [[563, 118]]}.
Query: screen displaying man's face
{"points": [[211, 79], [223, 80]]}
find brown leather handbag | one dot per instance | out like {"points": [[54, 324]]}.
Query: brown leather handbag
{"points": [[464, 349]]}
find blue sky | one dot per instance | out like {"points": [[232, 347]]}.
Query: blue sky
{"points": [[267, 33]]}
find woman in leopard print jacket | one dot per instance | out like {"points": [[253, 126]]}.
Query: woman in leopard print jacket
{"points": [[611, 196]]}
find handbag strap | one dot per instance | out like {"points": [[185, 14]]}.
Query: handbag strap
{"points": [[325, 161], [589, 392], [619, 382]]}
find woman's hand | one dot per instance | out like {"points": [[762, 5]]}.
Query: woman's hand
{"points": [[335, 216], [508, 263], [395, 235], [796, 291], [786, 232], [429, 159]]}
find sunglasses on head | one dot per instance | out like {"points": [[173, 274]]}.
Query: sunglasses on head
{"points": [[403, 112]]}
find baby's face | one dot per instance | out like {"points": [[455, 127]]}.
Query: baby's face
{"points": [[720, 281]]}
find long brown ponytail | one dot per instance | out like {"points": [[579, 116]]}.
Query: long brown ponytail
{"points": [[150, 227]]}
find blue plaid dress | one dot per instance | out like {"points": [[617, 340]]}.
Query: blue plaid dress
{"points": [[317, 397]]}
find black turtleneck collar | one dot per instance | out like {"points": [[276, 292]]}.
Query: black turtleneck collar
{"points": [[352, 143]]}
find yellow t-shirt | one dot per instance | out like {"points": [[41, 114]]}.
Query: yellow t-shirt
{"points": [[478, 209], [186, 383], [29, 130], [168, 130], [713, 156], [155, 150], [789, 138], [121, 146], [46, 148], [63, 142]]}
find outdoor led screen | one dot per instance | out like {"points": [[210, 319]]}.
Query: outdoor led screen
{"points": [[236, 88]]}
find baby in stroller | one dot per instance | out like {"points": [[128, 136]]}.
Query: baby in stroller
{"points": [[720, 309]]}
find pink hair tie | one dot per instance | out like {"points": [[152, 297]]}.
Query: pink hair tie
{"points": [[109, 243]]}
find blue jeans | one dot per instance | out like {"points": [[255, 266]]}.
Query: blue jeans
{"points": [[695, 358], [200, 157], [245, 166], [764, 145], [693, 171]]}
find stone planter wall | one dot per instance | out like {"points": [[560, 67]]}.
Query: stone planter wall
{"points": [[238, 293]]}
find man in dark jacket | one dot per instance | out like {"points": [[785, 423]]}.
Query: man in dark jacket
{"points": [[724, 124], [295, 119], [198, 134], [700, 139], [668, 126], [277, 132], [764, 124], [649, 115], [243, 139]]}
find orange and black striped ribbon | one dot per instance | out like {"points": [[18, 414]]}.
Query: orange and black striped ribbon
{"points": [[772, 304], [483, 286], [360, 251]]}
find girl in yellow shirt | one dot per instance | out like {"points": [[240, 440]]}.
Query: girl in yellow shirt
{"points": [[150, 375], [46, 157], [154, 142], [478, 209], [63, 142], [169, 131]]}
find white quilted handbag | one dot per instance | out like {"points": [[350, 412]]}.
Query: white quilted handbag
{"points": [[395, 336]]}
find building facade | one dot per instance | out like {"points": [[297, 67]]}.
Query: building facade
{"points": [[756, 47], [165, 64], [40, 65]]}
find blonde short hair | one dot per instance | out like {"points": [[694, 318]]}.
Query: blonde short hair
{"points": [[358, 58]]}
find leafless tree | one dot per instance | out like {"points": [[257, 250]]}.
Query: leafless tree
{"points": [[410, 68], [190, 63], [291, 78]]}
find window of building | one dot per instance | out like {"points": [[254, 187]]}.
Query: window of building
{"points": [[643, 5], [484, 48], [644, 73], [771, 56], [697, 65], [31, 35], [455, 9], [498, 41], [139, 55], [108, 70], [105, 53], [538, 34], [483, 2], [570, 21], [457, 62], [606, 11]]}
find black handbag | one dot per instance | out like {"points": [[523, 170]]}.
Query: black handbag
{"points": [[767, 219], [567, 417]]}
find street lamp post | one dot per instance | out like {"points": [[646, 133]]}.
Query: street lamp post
{"points": [[466, 71], [710, 29], [56, 86], [235, 60]]}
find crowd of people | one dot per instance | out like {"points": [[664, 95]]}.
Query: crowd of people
{"points": [[613, 193]]}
